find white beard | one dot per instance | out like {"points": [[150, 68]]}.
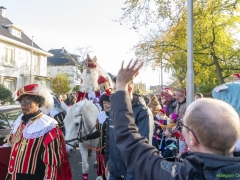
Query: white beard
{"points": [[89, 81]]}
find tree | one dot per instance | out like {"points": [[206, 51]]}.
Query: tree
{"points": [[83, 52], [216, 48], [61, 84], [76, 88], [5, 95]]}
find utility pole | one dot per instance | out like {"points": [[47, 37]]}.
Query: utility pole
{"points": [[31, 62], [161, 74], [190, 72]]}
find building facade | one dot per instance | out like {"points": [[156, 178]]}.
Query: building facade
{"points": [[64, 62], [21, 60]]}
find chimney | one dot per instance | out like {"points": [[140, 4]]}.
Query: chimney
{"points": [[2, 11]]}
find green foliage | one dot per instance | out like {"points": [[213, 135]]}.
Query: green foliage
{"points": [[76, 88], [5, 95], [216, 48], [61, 84]]}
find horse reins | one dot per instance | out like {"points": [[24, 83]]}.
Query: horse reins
{"points": [[79, 135]]}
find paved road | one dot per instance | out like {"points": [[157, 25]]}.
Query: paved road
{"points": [[76, 166]]}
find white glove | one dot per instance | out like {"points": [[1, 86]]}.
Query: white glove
{"points": [[102, 117]]}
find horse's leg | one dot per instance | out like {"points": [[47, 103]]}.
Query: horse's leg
{"points": [[85, 165]]}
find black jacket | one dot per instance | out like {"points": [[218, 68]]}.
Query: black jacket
{"points": [[99, 133], [142, 116], [113, 159], [144, 161]]}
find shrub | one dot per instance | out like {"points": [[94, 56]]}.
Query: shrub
{"points": [[5, 95]]}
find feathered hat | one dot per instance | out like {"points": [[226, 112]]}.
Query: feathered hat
{"points": [[38, 90]]}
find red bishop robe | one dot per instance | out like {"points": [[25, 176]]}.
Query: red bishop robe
{"points": [[82, 95]]}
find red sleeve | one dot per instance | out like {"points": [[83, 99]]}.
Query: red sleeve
{"points": [[81, 95], [108, 91], [97, 93], [53, 153]]}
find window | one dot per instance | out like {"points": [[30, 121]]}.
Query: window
{"points": [[8, 56], [16, 33]]}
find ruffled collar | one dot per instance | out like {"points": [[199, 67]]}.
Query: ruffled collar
{"points": [[37, 128]]}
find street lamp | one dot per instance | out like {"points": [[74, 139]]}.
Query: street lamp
{"points": [[31, 62], [159, 84]]}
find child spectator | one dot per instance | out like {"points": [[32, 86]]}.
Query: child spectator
{"points": [[170, 147], [172, 121], [162, 119]]}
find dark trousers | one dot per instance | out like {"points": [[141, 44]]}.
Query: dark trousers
{"points": [[26, 177]]}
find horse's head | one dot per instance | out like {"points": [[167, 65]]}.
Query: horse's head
{"points": [[79, 120]]}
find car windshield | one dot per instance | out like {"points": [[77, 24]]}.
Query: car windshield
{"points": [[7, 119]]}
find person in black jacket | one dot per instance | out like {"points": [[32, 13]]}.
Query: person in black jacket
{"points": [[113, 160], [145, 123], [100, 133], [210, 127]]}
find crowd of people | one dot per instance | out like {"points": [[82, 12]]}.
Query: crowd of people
{"points": [[68, 99], [155, 137]]}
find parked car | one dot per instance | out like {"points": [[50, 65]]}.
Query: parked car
{"points": [[8, 114]]}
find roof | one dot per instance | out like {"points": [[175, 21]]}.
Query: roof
{"points": [[5, 32], [62, 57]]}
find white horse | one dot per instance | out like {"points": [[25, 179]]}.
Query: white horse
{"points": [[80, 120]]}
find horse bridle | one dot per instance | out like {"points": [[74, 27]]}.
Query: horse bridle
{"points": [[79, 134]]}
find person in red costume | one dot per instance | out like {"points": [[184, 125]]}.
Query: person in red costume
{"points": [[38, 146], [103, 85], [93, 84]]}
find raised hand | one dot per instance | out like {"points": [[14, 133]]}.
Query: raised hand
{"points": [[126, 75]]}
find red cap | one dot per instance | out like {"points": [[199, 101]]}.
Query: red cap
{"points": [[163, 111], [28, 89], [236, 74], [101, 80]]}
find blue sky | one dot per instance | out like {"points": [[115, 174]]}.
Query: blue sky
{"points": [[71, 24]]}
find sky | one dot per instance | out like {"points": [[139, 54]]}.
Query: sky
{"points": [[72, 24]]}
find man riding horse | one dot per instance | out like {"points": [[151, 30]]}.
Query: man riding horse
{"points": [[93, 83]]}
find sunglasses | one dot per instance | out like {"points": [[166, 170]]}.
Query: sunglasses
{"points": [[182, 125]]}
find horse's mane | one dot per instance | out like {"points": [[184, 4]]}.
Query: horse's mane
{"points": [[72, 111], [83, 106]]}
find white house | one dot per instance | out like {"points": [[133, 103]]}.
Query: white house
{"points": [[64, 62], [21, 60]]}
